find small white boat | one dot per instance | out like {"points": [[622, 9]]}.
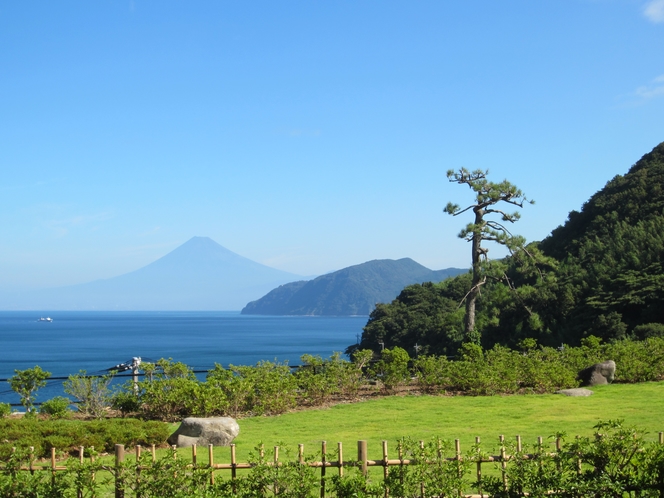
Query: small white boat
{"points": [[47, 319]]}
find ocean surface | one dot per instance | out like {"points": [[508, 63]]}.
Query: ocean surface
{"points": [[97, 340]]}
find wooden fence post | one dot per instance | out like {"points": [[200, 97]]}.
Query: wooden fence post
{"points": [[92, 459], [385, 466], [400, 452], [53, 469], [211, 463], [457, 449], [233, 468], [119, 480], [422, 490], [340, 454], [276, 466], [503, 461], [138, 468], [79, 491], [323, 460], [479, 465], [362, 456]]}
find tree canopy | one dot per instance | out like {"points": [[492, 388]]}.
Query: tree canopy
{"points": [[601, 273], [488, 196]]}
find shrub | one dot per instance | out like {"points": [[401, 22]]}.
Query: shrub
{"points": [[437, 475], [57, 407], [91, 392], [126, 401], [649, 330], [315, 380], [637, 361], [236, 387], [5, 410], [353, 374], [166, 398], [616, 460], [355, 485], [275, 388], [433, 373], [392, 368], [26, 383], [69, 435]]}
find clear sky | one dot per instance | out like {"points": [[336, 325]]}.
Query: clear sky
{"points": [[306, 135]]}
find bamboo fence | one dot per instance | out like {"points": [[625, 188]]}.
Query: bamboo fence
{"points": [[363, 462]]}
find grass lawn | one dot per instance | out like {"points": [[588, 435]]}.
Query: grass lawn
{"points": [[462, 417], [423, 417]]}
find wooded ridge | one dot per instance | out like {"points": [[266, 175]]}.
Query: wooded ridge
{"points": [[600, 273], [350, 291]]}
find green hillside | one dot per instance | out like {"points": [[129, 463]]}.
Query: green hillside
{"points": [[351, 291], [598, 274]]}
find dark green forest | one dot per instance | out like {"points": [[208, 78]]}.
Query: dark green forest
{"points": [[599, 274]]}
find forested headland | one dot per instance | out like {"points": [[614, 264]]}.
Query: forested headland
{"points": [[599, 274]]}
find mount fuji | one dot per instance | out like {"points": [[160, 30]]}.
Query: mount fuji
{"points": [[198, 275]]}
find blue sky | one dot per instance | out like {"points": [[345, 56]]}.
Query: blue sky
{"points": [[306, 135]]}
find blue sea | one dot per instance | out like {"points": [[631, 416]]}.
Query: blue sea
{"points": [[97, 340]]}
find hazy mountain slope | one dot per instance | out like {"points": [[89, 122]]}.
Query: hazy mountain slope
{"points": [[198, 275], [351, 291]]}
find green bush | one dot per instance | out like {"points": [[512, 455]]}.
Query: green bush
{"points": [[440, 475], [616, 461], [68, 435], [275, 388], [126, 401], [316, 381], [26, 383], [649, 330], [236, 388], [433, 373], [57, 407], [5, 410], [172, 392], [392, 368], [91, 392]]}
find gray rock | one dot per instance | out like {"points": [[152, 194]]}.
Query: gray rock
{"points": [[597, 374], [578, 391], [218, 431]]}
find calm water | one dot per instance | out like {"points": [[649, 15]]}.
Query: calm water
{"points": [[95, 341]]}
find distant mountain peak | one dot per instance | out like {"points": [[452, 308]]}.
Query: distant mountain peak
{"points": [[354, 290], [197, 275]]}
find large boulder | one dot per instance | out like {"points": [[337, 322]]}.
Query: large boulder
{"points": [[597, 374], [217, 431]]}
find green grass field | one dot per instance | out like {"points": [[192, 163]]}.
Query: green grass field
{"points": [[452, 417], [423, 417]]}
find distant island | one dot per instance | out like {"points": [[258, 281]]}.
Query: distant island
{"points": [[351, 291]]}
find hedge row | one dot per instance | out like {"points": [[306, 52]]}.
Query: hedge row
{"points": [[67, 435], [272, 388], [614, 462], [170, 390]]}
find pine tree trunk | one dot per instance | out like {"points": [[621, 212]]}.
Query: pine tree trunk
{"points": [[474, 290]]}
